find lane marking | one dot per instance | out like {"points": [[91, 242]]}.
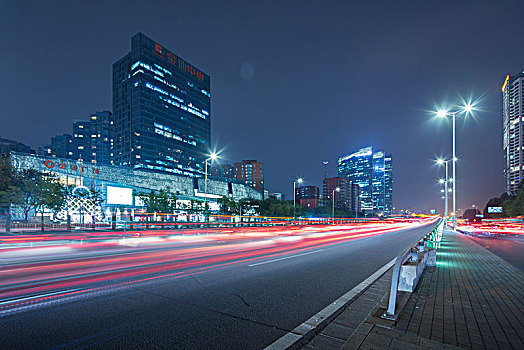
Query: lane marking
{"points": [[307, 329], [11, 301], [286, 257]]}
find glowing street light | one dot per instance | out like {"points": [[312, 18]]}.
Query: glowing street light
{"points": [[466, 109], [299, 181], [213, 156], [333, 197]]}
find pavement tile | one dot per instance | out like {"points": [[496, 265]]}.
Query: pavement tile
{"points": [[324, 342], [401, 345], [370, 346], [337, 331], [364, 328], [353, 342], [471, 299], [378, 339]]}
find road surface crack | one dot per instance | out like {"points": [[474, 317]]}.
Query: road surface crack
{"points": [[241, 298], [226, 313]]}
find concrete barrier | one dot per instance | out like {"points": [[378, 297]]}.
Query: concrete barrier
{"points": [[411, 271]]}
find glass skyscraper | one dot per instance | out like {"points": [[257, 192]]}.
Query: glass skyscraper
{"points": [[358, 168], [372, 172], [161, 110]]}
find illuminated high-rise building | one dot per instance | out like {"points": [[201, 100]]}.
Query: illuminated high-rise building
{"points": [[161, 110], [513, 132], [373, 173], [92, 139]]}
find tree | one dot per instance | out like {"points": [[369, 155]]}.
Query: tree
{"points": [[161, 202], [48, 193], [227, 205], [10, 191]]}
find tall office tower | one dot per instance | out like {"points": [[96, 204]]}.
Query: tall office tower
{"points": [[161, 110], [325, 163], [373, 173], [307, 196], [358, 168], [388, 184], [513, 132], [252, 173], [379, 185], [62, 146], [92, 138]]}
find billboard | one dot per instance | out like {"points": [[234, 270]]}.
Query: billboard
{"points": [[119, 195], [493, 210]]}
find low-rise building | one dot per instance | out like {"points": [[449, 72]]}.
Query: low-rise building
{"points": [[307, 196]]}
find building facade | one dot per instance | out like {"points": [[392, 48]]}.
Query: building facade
{"points": [[252, 173], [513, 132], [224, 170], [342, 197], [121, 186], [7, 146], [373, 173], [92, 139], [62, 146], [358, 168], [307, 196], [161, 110]]}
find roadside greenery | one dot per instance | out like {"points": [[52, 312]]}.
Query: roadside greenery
{"points": [[159, 202], [29, 189], [512, 205]]}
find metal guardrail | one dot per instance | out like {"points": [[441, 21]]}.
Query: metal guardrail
{"points": [[401, 259]]}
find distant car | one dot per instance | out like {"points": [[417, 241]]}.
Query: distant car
{"points": [[131, 234]]}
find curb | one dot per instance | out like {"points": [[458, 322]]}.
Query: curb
{"points": [[305, 331]]}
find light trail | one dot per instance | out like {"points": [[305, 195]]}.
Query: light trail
{"points": [[106, 265]]}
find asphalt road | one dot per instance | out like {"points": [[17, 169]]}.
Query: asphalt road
{"points": [[246, 302]]}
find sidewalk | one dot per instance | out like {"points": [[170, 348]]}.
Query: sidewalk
{"points": [[472, 299]]}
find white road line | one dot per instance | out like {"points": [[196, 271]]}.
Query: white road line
{"points": [[310, 326], [286, 257], [35, 297]]}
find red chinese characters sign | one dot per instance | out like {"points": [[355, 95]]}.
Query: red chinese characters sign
{"points": [[49, 164], [181, 64]]}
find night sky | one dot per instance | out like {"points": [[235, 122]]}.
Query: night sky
{"points": [[293, 82]]}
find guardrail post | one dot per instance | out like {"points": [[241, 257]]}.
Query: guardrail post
{"points": [[417, 246]]}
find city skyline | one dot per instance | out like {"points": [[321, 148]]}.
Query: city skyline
{"points": [[342, 120]]}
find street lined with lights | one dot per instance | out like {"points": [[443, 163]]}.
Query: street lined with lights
{"points": [[465, 110], [257, 281]]}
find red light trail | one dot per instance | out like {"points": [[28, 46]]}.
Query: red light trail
{"points": [[34, 275]]}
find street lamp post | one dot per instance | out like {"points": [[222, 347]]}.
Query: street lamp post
{"points": [[333, 198], [446, 210], [467, 108], [212, 157], [299, 181]]}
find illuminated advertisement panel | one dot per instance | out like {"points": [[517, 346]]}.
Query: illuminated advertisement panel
{"points": [[119, 195], [493, 210]]}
